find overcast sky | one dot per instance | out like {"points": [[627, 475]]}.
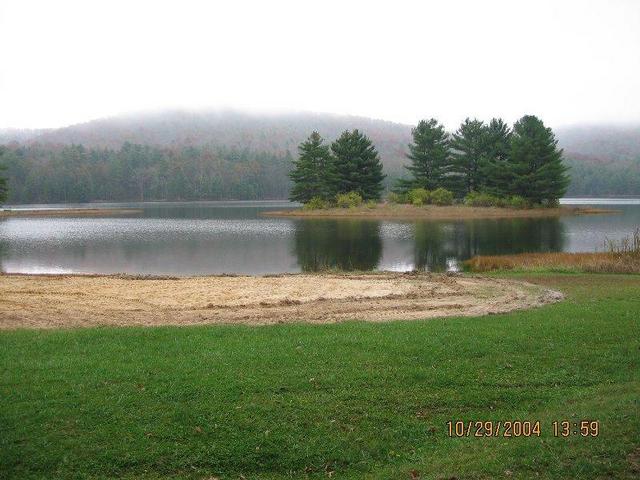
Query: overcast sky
{"points": [[64, 62]]}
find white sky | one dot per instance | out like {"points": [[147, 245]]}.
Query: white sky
{"points": [[64, 62]]}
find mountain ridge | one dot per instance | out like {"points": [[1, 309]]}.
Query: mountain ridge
{"points": [[198, 127]]}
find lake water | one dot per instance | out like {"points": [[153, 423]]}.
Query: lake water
{"points": [[231, 237]]}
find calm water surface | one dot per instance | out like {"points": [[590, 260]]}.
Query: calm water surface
{"points": [[231, 237]]}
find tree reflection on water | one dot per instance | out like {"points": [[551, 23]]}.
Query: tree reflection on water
{"points": [[437, 243], [338, 244], [353, 244]]}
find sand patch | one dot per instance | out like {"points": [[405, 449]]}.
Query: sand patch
{"points": [[50, 301]]}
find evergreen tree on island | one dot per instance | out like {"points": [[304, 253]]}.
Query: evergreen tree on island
{"points": [[3, 181], [468, 156], [497, 169], [357, 165], [313, 173], [536, 162], [429, 155]]}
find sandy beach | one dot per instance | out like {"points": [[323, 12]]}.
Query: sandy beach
{"points": [[51, 301]]}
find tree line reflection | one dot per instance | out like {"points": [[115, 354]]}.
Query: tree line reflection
{"points": [[350, 244]]}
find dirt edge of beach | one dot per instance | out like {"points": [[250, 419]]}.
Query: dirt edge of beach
{"points": [[69, 301]]}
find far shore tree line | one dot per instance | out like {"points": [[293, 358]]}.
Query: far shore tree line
{"points": [[134, 172], [484, 164]]}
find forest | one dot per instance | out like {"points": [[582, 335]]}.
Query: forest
{"points": [[229, 155], [73, 173], [593, 176]]}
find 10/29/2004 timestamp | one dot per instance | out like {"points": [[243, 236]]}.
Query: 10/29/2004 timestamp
{"points": [[521, 428]]}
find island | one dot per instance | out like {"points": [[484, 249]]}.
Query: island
{"points": [[386, 211]]}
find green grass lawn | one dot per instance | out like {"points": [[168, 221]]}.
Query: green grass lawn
{"points": [[353, 400]]}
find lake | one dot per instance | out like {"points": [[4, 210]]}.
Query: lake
{"points": [[198, 238]]}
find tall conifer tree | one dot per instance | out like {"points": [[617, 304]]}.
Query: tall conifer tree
{"points": [[497, 169], [357, 165], [313, 172], [3, 181], [538, 171], [429, 155], [468, 156]]}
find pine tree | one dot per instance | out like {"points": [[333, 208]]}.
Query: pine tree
{"points": [[312, 174], [429, 155], [497, 170], [468, 156], [357, 165], [3, 181], [539, 174]]}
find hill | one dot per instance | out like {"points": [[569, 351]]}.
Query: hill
{"points": [[604, 159], [272, 133], [607, 142], [17, 135], [230, 154]]}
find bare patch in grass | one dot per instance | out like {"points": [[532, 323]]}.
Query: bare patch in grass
{"points": [[84, 301]]}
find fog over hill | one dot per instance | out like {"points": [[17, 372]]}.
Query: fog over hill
{"points": [[282, 132], [605, 159], [273, 133], [615, 142]]}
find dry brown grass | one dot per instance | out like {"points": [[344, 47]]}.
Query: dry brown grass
{"points": [[605, 262], [622, 256], [627, 247]]}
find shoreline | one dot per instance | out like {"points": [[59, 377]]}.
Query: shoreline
{"points": [[71, 301], [70, 212], [451, 212]]}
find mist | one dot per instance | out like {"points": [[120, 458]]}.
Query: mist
{"points": [[569, 62]]}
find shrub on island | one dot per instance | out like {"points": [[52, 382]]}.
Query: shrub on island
{"points": [[395, 198], [480, 199], [348, 200], [316, 203], [418, 196], [518, 202], [421, 196], [441, 196]]}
